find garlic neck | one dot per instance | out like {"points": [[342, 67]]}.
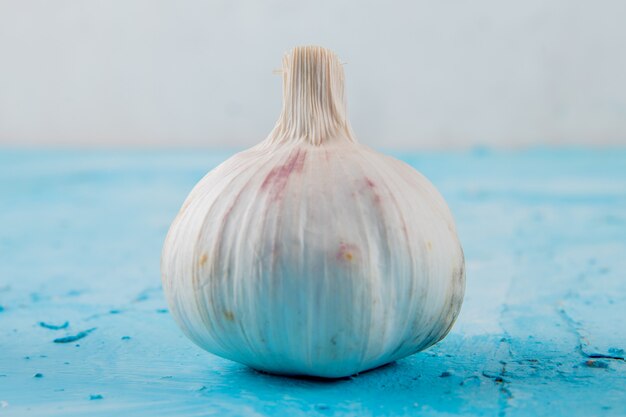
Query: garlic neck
{"points": [[314, 109]]}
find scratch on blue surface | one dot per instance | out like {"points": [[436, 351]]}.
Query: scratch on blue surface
{"points": [[540, 332]]}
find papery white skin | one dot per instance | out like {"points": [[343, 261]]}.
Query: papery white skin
{"points": [[311, 254]]}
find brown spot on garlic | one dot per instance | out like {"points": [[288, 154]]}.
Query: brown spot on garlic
{"points": [[203, 259], [346, 252], [429, 245], [228, 315]]}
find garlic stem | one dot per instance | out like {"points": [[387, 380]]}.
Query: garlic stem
{"points": [[314, 108]]}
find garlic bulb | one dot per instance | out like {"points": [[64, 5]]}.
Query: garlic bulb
{"points": [[310, 254]]}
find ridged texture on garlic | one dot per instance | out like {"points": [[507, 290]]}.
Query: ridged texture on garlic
{"points": [[310, 254]]}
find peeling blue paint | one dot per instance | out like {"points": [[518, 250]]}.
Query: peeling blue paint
{"points": [[54, 326], [73, 338]]}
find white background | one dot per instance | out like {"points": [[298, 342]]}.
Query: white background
{"points": [[420, 74]]}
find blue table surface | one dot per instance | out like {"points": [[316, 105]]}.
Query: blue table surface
{"points": [[541, 332]]}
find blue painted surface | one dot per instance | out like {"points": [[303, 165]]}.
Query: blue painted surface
{"points": [[544, 233]]}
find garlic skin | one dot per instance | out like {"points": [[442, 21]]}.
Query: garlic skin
{"points": [[311, 254]]}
